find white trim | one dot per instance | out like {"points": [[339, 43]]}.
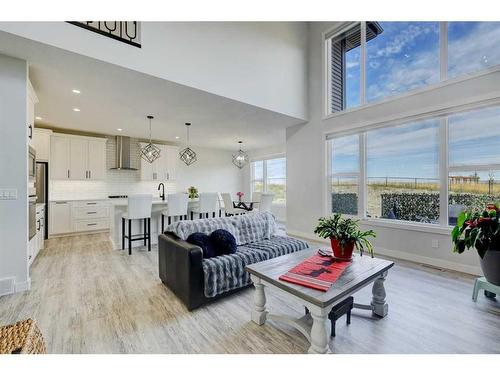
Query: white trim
{"points": [[443, 172], [443, 51], [22, 286], [430, 87], [277, 155], [362, 179], [436, 262], [407, 225], [362, 67]]}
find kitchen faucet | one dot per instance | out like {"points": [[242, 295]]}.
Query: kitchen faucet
{"points": [[162, 194]]}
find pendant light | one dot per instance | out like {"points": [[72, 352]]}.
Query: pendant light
{"points": [[150, 152], [240, 159], [188, 156]]}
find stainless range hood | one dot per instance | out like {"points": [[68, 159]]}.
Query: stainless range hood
{"points": [[125, 158]]}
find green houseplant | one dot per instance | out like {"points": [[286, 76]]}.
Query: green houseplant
{"points": [[193, 192], [480, 230], [344, 235]]}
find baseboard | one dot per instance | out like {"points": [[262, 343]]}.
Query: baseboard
{"points": [[7, 286], [23, 286], [436, 262]]}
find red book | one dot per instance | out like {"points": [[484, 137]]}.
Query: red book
{"points": [[317, 272]]}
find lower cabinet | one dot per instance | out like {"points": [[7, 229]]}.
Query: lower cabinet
{"points": [[78, 216], [37, 242]]}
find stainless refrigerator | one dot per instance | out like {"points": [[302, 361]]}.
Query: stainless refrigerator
{"points": [[42, 190]]}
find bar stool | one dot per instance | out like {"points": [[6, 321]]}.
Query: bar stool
{"points": [[207, 204], [139, 208], [177, 205]]}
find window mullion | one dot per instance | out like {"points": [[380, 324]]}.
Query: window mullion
{"points": [[362, 187], [443, 172], [443, 50], [362, 90]]}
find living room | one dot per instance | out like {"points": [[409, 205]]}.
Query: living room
{"points": [[207, 208]]}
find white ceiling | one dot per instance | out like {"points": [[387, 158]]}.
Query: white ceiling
{"points": [[113, 97]]}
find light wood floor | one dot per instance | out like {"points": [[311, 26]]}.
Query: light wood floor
{"points": [[88, 298]]}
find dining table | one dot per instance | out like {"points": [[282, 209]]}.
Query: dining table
{"points": [[245, 205]]}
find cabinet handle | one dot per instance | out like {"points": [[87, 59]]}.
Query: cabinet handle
{"points": [[86, 174], [91, 203], [90, 174], [91, 212], [30, 127], [61, 202], [89, 225], [68, 173], [38, 221]]}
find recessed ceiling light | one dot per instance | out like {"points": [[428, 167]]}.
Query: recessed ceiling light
{"points": [[76, 109], [38, 118], [75, 91], [119, 129], [177, 137]]}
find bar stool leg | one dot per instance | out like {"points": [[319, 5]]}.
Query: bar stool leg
{"points": [[149, 234], [191, 215], [144, 231], [129, 237], [213, 214], [123, 233], [169, 220], [162, 223]]}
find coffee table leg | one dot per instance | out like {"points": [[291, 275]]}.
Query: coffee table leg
{"points": [[320, 331], [379, 306], [259, 305]]}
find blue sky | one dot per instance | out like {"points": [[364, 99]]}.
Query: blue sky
{"points": [[276, 168], [404, 57]]}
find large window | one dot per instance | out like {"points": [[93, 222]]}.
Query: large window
{"points": [[270, 176], [344, 177], [426, 171], [403, 172], [370, 61], [402, 57], [474, 160]]}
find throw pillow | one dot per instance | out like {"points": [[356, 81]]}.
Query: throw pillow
{"points": [[223, 241], [202, 240]]}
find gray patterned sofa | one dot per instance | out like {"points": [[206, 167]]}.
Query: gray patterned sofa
{"points": [[197, 281]]}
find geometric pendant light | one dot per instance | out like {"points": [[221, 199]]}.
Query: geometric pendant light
{"points": [[240, 158], [150, 152], [188, 156]]}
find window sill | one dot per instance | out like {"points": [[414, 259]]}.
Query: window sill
{"points": [[402, 225]]}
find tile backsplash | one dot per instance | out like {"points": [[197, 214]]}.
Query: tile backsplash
{"points": [[117, 182]]}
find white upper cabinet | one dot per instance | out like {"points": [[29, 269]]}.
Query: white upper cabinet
{"points": [[163, 168], [77, 158], [59, 157], [41, 142]]}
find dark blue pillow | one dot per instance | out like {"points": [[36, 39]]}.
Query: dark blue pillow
{"points": [[202, 240], [223, 241]]}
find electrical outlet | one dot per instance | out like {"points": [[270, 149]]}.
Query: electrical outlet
{"points": [[8, 194], [435, 244]]}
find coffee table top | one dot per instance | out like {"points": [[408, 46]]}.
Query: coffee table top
{"points": [[361, 272]]}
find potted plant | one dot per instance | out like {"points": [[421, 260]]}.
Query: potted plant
{"points": [[480, 230], [193, 192], [344, 234]]}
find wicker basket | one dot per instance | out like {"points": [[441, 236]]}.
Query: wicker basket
{"points": [[23, 337]]}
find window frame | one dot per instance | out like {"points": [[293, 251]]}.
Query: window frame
{"points": [[264, 175], [444, 80], [444, 168]]}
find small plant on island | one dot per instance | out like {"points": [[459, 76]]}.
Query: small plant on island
{"points": [[344, 235], [193, 192]]}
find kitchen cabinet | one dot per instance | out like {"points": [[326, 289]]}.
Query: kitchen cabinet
{"points": [[77, 158], [41, 141], [37, 242], [31, 100], [162, 169], [60, 217]]}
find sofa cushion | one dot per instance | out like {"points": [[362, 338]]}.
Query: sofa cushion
{"points": [[184, 228], [227, 272], [203, 240], [223, 242], [255, 227]]}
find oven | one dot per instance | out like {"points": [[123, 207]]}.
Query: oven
{"points": [[31, 164], [32, 216]]}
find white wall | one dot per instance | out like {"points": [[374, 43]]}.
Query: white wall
{"points": [[212, 172], [306, 157], [13, 175], [279, 210], [259, 63]]}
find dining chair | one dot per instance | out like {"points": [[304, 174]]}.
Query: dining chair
{"points": [[207, 204], [177, 205], [256, 199], [229, 208], [266, 201], [139, 208]]}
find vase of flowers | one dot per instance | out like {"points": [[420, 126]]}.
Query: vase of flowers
{"points": [[240, 195], [193, 192], [344, 235], [480, 229]]}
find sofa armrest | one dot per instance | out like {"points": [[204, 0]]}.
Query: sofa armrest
{"points": [[181, 269]]}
